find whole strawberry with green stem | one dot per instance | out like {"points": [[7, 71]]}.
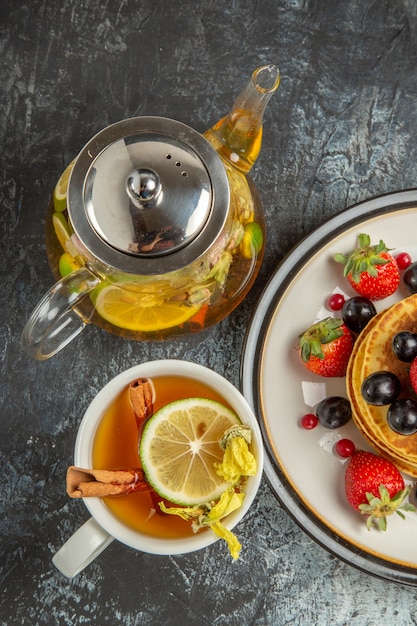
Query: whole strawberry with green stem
{"points": [[375, 488], [325, 347], [370, 269]]}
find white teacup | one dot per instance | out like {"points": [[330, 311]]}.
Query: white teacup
{"points": [[100, 530]]}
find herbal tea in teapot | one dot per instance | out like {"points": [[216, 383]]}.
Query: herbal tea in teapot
{"points": [[157, 225]]}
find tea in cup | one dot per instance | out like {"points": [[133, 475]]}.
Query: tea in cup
{"points": [[109, 438]]}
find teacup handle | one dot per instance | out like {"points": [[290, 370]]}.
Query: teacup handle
{"points": [[54, 323], [81, 548]]}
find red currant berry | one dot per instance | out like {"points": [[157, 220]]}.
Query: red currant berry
{"points": [[403, 260], [309, 421], [344, 448], [336, 301]]}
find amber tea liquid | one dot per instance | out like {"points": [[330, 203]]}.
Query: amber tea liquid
{"points": [[116, 447]]}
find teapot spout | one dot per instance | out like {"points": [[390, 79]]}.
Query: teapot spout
{"points": [[237, 137]]}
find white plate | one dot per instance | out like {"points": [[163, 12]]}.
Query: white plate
{"points": [[301, 467]]}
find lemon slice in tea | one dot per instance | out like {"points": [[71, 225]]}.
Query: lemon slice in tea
{"points": [[59, 197], [179, 450], [140, 312]]}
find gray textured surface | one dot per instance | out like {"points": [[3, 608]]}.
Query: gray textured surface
{"points": [[342, 128]]}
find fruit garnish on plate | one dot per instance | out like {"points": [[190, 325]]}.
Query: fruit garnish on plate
{"points": [[375, 488], [387, 422], [379, 379], [404, 345], [410, 277], [413, 374], [333, 412], [402, 416], [325, 347], [357, 312], [370, 269], [381, 388]]}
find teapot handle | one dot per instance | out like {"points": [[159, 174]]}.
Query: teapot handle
{"points": [[54, 322]]}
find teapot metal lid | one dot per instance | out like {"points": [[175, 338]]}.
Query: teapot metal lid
{"points": [[148, 195]]}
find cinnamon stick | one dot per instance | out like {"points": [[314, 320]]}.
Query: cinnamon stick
{"points": [[141, 398], [87, 483]]}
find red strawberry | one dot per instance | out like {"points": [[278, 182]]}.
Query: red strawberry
{"points": [[370, 269], [413, 374], [325, 347], [375, 487]]}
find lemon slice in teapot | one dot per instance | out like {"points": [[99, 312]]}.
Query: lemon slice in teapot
{"points": [[59, 196], [252, 240], [134, 311]]}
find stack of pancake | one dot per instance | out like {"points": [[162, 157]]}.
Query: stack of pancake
{"points": [[373, 352]]}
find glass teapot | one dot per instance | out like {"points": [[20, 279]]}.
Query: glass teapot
{"points": [[154, 230]]}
